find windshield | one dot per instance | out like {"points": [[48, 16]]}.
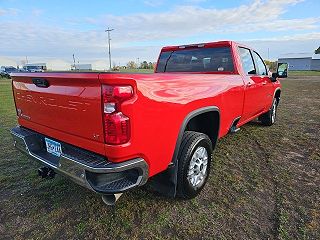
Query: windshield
{"points": [[218, 59]]}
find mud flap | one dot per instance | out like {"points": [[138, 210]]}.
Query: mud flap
{"points": [[165, 182]]}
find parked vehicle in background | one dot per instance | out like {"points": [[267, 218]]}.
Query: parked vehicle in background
{"points": [[111, 132], [35, 67], [5, 71]]}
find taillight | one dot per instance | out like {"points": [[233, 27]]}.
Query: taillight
{"points": [[116, 124]]}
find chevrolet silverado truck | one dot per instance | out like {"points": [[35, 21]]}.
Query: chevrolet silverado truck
{"points": [[111, 132]]}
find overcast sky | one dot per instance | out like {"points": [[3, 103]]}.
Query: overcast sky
{"points": [[51, 31]]}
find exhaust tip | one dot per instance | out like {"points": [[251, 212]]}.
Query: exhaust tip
{"points": [[110, 199], [46, 172], [42, 172]]}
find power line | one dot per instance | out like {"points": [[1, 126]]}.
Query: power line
{"points": [[109, 39]]}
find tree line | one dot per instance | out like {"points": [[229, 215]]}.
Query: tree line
{"points": [[134, 65], [142, 65]]}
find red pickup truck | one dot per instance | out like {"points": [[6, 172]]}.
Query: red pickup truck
{"points": [[111, 132]]}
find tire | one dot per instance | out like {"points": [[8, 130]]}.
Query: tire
{"points": [[194, 161], [269, 118]]}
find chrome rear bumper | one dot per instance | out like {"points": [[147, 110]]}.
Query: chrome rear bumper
{"points": [[88, 169]]}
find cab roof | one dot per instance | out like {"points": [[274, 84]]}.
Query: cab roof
{"points": [[204, 45]]}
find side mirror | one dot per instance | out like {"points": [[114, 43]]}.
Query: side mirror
{"points": [[282, 70]]}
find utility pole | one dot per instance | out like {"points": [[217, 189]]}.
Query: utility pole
{"points": [[109, 39], [74, 62], [268, 54]]}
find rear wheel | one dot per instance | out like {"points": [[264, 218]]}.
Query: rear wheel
{"points": [[269, 118], [194, 160]]}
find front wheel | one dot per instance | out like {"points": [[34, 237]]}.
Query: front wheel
{"points": [[194, 160], [269, 118]]}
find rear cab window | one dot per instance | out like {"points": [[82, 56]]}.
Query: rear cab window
{"points": [[213, 59]]}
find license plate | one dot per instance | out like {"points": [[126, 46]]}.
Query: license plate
{"points": [[53, 147]]}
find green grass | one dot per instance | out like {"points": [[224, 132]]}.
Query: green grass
{"points": [[137, 70], [264, 184], [304, 73]]}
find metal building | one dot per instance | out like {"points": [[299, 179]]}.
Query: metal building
{"points": [[81, 67], [301, 61], [35, 67]]}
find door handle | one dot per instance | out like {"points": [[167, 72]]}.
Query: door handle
{"points": [[264, 83]]}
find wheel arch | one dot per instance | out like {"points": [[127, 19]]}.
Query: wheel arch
{"points": [[277, 94], [206, 115], [166, 182]]}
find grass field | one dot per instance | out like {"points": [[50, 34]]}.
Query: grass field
{"points": [[291, 73], [138, 70], [264, 185], [304, 73]]}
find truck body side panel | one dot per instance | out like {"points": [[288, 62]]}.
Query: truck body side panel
{"points": [[163, 101]]}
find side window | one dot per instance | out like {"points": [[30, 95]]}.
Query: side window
{"points": [[261, 67], [247, 61]]}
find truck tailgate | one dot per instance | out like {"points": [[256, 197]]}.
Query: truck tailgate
{"points": [[66, 102]]}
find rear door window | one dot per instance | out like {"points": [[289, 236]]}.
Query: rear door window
{"points": [[261, 67], [247, 61], [217, 59]]}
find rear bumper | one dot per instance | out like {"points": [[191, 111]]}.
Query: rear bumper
{"points": [[88, 169]]}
